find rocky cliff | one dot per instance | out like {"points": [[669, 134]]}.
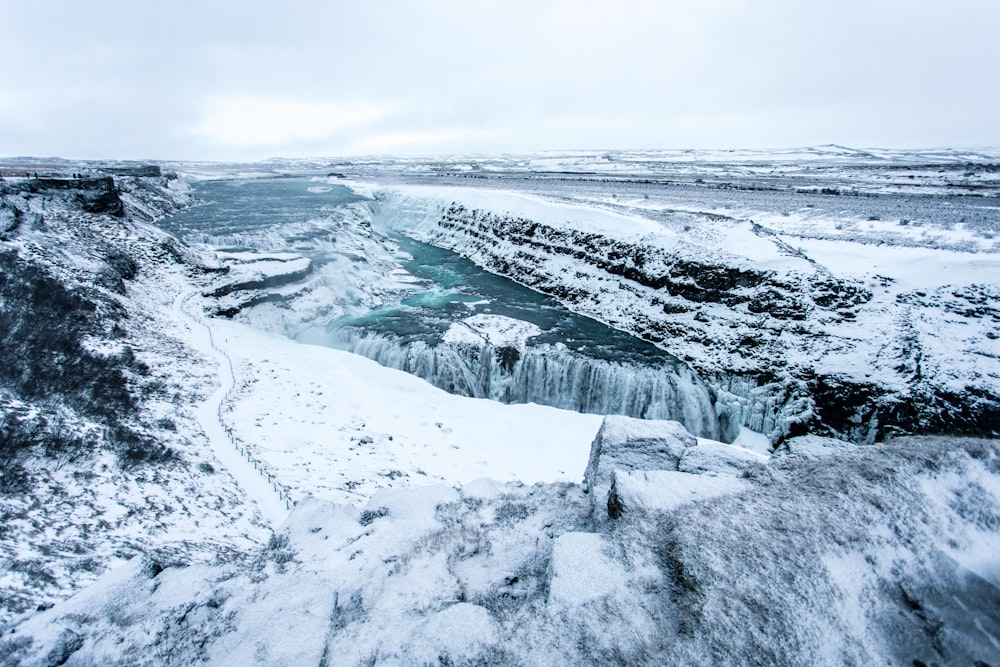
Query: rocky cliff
{"points": [[793, 345]]}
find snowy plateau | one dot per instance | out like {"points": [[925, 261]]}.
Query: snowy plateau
{"points": [[591, 408]]}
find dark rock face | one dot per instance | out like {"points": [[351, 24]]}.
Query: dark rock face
{"points": [[140, 171], [778, 304], [838, 294], [256, 300], [508, 356], [93, 195], [867, 412], [690, 281], [269, 282], [650, 267]]}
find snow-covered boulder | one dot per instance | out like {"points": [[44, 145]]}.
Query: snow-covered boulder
{"points": [[624, 443], [656, 466], [658, 491], [713, 457], [808, 448]]}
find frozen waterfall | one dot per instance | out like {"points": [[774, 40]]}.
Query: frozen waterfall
{"points": [[551, 375]]}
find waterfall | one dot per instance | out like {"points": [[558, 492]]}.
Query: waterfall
{"points": [[551, 375]]}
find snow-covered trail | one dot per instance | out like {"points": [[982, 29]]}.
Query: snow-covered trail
{"points": [[263, 491]]}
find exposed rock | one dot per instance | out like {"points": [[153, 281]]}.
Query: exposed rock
{"points": [[65, 646], [93, 195], [693, 280], [835, 294], [234, 307], [267, 281], [778, 304], [865, 412], [139, 171]]}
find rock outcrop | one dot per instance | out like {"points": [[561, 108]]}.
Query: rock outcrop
{"points": [[625, 443], [97, 195], [654, 466]]}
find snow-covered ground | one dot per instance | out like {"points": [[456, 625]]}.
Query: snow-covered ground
{"points": [[254, 422], [340, 427], [830, 554], [429, 528], [150, 484]]}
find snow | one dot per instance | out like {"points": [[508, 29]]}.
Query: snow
{"points": [[739, 240], [240, 257], [338, 426], [810, 447], [581, 573], [268, 500], [535, 208], [255, 267], [664, 490], [713, 457], [910, 268], [458, 633], [831, 556], [434, 528], [403, 276], [850, 574], [752, 440], [824, 225], [636, 443], [496, 330], [87, 511]]}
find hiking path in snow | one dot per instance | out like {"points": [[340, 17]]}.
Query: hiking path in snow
{"points": [[261, 487]]}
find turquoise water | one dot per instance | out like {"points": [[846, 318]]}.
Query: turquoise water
{"points": [[462, 289]]}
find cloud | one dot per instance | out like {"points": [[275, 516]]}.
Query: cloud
{"points": [[254, 121], [407, 141], [246, 80]]}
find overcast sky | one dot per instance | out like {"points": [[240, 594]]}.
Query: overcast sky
{"points": [[234, 80]]}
